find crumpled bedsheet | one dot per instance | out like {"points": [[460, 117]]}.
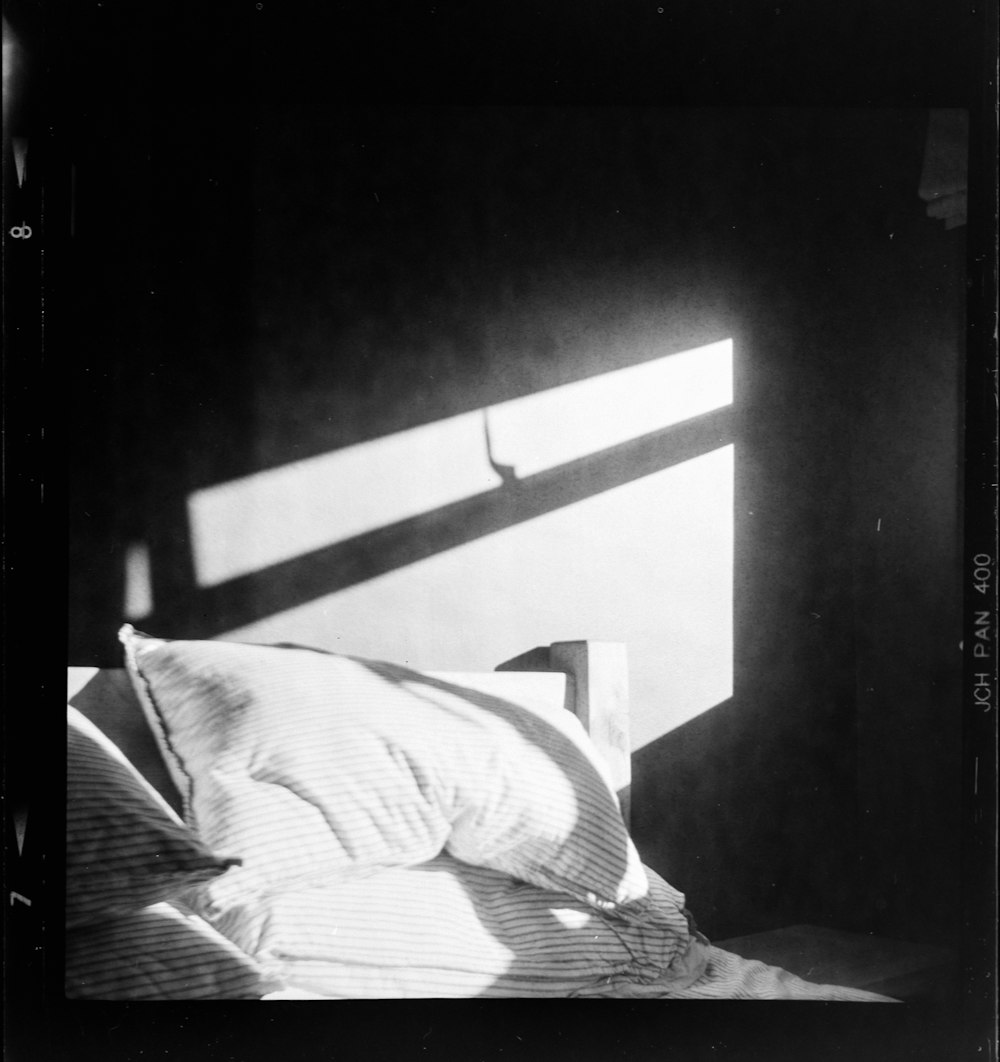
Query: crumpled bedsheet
{"points": [[445, 929], [724, 975], [712, 973]]}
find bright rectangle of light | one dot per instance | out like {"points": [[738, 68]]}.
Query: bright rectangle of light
{"points": [[246, 524], [648, 563], [552, 427]]}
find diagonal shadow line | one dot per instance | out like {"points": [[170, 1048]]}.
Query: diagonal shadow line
{"points": [[207, 611]]}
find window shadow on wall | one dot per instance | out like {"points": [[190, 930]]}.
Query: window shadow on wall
{"points": [[183, 609]]}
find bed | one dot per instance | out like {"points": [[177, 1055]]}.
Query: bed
{"points": [[284, 823]]}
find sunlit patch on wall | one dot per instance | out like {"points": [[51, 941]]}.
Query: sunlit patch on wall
{"points": [[649, 563], [247, 524], [138, 582], [555, 426]]}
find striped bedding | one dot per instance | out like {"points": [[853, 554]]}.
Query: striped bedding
{"points": [[125, 848], [162, 952], [128, 860], [397, 837], [448, 929], [315, 766]]}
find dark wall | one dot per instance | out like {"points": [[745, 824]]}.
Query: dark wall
{"points": [[906, 471], [847, 598], [255, 283]]}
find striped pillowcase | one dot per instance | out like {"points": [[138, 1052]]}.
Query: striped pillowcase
{"points": [[311, 765], [446, 929], [124, 850], [163, 952]]}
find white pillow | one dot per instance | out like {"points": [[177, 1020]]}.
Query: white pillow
{"points": [[446, 929], [162, 952], [307, 765], [125, 846]]}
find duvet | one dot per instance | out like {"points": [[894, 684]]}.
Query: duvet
{"points": [[357, 830], [448, 930]]}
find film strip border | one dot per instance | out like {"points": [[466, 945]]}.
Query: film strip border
{"points": [[980, 574], [32, 866]]}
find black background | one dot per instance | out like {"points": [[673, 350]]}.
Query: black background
{"points": [[136, 92]]}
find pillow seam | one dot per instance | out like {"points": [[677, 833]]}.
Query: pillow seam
{"points": [[143, 688]]}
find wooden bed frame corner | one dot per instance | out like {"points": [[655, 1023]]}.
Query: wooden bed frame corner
{"points": [[597, 694]]}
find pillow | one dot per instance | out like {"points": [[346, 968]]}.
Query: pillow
{"points": [[312, 764], [446, 929], [125, 849], [162, 952], [80, 722]]}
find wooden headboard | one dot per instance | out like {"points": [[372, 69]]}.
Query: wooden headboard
{"points": [[588, 678]]}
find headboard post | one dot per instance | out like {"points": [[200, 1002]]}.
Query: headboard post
{"points": [[600, 674]]}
